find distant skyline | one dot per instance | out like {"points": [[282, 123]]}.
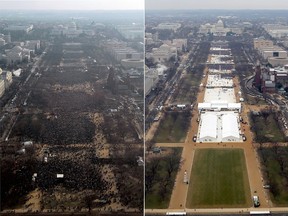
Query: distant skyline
{"points": [[72, 4], [214, 4]]}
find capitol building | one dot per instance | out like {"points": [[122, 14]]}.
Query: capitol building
{"points": [[217, 29]]}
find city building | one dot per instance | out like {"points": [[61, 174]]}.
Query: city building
{"points": [[216, 29], [17, 55], [7, 77], [132, 63], [265, 79], [131, 32], [168, 26], [163, 53], [261, 42], [32, 45], [276, 30], [2, 42], [151, 79], [274, 51], [275, 55], [22, 28], [2, 87], [179, 44], [120, 51]]}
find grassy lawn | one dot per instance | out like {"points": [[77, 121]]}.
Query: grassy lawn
{"points": [[219, 179], [173, 127], [277, 178], [154, 198], [267, 134]]}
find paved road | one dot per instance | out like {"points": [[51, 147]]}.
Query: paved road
{"points": [[227, 211]]}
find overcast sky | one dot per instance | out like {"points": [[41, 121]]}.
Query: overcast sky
{"points": [[73, 4], [216, 4]]}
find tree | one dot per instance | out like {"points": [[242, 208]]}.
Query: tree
{"points": [[150, 173], [164, 187], [173, 163], [279, 85], [149, 144], [265, 114], [150, 63], [88, 201]]}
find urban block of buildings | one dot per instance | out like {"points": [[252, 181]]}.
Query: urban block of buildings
{"points": [[275, 55], [5, 81], [266, 78]]}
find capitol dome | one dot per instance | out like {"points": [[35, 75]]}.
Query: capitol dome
{"points": [[220, 24], [72, 26]]}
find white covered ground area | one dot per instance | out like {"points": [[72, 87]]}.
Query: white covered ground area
{"points": [[219, 127], [217, 81], [219, 94]]}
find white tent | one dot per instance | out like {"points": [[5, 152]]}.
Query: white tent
{"points": [[234, 106], [230, 130], [208, 130], [219, 105]]}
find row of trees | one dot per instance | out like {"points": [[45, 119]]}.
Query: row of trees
{"points": [[158, 173], [258, 126], [275, 169]]}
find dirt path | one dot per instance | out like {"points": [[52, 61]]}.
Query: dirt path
{"points": [[34, 201], [99, 141], [153, 128]]}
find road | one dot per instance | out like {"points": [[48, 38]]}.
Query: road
{"points": [[228, 211]]}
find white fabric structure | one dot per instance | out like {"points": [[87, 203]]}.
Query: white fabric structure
{"points": [[234, 106], [208, 131], [218, 106], [230, 130]]}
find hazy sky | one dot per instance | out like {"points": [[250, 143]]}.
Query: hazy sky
{"points": [[216, 4], [73, 4]]}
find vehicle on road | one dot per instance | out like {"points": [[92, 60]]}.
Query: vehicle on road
{"points": [[256, 201], [194, 138]]}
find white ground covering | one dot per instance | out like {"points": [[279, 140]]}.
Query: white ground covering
{"points": [[219, 94], [217, 81], [219, 71]]}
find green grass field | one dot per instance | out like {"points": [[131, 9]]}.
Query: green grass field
{"points": [[219, 179], [173, 128]]}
